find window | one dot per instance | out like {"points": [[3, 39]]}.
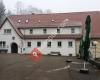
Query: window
{"points": [[29, 44], [44, 30], [31, 31], [38, 44], [70, 44], [49, 44], [58, 30], [2, 43], [72, 30], [19, 21], [7, 31], [59, 44], [26, 21]]}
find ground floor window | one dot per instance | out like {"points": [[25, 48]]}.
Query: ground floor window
{"points": [[59, 43], [70, 44], [49, 44], [38, 44], [29, 44]]}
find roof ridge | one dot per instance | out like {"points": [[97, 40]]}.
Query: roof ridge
{"points": [[55, 13]]}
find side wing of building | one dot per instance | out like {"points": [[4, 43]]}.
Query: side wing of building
{"points": [[10, 42]]}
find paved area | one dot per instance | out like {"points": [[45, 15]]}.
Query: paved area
{"points": [[20, 67]]}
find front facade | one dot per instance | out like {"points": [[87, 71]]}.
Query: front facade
{"points": [[47, 32], [48, 41]]}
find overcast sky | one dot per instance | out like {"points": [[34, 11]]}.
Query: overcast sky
{"points": [[58, 5]]}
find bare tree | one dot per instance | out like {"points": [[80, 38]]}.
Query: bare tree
{"points": [[19, 7], [8, 13], [32, 9], [47, 11], [2, 8]]}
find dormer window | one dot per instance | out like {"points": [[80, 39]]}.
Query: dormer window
{"points": [[39, 21], [26, 21], [52, 20], [19, 21], [66, 19]]}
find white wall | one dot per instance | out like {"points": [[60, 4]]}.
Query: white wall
{"points": [[39, 31], [65, 49], [8, 37]]}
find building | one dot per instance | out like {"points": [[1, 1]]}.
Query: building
{"points": [[56, 32]]}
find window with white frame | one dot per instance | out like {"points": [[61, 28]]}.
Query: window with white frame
{"points": [[70, 44], [28, 44], [31, 31], [72, 30], [7, 31], [59, 43], [44, 30], [48, 44], [38, 44]]}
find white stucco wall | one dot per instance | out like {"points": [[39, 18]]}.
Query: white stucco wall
{"points": [[39, 31], [8, 37], [65, 49]]}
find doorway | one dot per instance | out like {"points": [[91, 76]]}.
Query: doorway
{"points": [[14, 48]]}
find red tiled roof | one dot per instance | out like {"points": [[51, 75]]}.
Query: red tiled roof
{"points": [[54, 20], [41, 20]]}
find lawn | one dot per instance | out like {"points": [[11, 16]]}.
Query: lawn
{"points": [[21, 67]]}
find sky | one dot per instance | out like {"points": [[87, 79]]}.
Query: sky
{"points": [[58, 6]]}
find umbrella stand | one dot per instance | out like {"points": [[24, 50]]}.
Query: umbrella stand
{"points": [[86, 43], [84, 65], [84, 69]]}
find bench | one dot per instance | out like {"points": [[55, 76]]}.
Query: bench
{"points": [[54, 53], [3, 51]]}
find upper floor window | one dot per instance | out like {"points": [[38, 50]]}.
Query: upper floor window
{"points": [[58, 30], [70, 43], [44, 30], [31, 31], [38, 44], [49, 44], [72, 30], [59, 43], [29, 44], [7, 31]]}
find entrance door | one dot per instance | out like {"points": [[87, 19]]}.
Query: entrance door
{"points": [[14, 48]]}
